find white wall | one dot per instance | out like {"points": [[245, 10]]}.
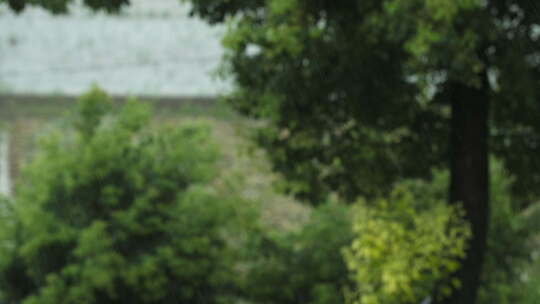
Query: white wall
{"points": [[152, 48]]}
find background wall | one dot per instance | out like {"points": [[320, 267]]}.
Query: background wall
{"points": [[153, 48]]}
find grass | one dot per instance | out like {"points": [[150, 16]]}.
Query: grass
{"points": [[240, 161]]}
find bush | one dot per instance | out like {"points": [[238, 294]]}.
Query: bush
{"points": [[304, 266], [425, 240], [405, 248], [509, 238], [508, 243], [112, 212]]}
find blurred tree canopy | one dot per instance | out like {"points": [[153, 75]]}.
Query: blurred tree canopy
{"points": [[111, 211], [360, 93]]}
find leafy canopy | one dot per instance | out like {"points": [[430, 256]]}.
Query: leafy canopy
{"points": [[357, 93], [113, 211]]}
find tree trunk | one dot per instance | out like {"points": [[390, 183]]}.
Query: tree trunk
{"points": [[469, 181]]}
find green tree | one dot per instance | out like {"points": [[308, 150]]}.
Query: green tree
{"points": [[358, 94], [361, 93], [511, 233], [117, 213], [511, 240]]}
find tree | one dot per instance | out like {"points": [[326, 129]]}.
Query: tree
{"points": [[117, 213], [358, 94], [361, 93]]}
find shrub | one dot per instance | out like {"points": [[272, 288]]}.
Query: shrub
{"points": [[304, 266], [509, 237], [404, 249], [113, 212], [508, 243]]}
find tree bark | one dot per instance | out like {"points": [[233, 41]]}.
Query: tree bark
{"points": [[469, 181]]}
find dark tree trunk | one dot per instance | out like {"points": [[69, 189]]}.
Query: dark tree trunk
{"points": [[469, 181]]}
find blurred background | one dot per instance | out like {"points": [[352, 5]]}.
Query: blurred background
{"points": [[269, 151]]}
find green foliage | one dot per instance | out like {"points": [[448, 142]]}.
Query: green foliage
{"points": [[304, 266], [61, 6], [509, 238], [111, 211], [219, 11], [530, 272], [357, 92], [7, 227], [405, 249], [91, 109], [529, 292], [337, 109], [509, 246]]}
